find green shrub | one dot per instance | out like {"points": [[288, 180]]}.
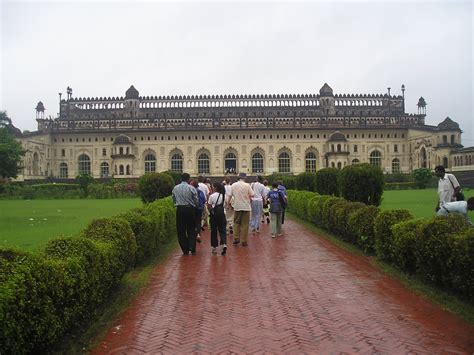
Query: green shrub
{"points": [[29, 320], [153, 186], [287, 180], [422, 177], [84, 180], [118, 232], [433, 256], [317, 215], [143, 224], [175, 175], [406, 240], [462, 264], [299, 202], [362, 183], [361, 222], [326, 211], [306, 181], [340, 219], [327, 181], [311, 208], [383, 231]]}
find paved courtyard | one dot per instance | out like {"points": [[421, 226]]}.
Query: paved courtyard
{"points": [[294, 294]]}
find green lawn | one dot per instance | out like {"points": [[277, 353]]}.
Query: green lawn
{"points": [[420, 203], [28, 224]]}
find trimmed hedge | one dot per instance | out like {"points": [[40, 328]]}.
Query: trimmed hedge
{"points": [[44, 295], [362, 183], [383, 231], [440, 250]]}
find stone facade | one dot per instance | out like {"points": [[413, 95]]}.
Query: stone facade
{"points": [[125, 137]]}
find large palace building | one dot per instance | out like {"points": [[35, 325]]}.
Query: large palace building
{"points": [[125, 137]]}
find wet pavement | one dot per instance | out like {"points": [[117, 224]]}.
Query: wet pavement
{"points": [[296, 293]]}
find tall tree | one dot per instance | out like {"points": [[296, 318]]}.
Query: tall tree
{"points": [[11, 151]]}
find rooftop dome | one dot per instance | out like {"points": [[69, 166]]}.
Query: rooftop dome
{"points": [[40, 107], [421, 102], [337, 136], [325, 90], [131, 93], [448, 124], [122, 139]]}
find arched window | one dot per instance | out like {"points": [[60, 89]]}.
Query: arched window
{"points": [[375, 158], [423, 160], [121, 150], [150, 163], [84, 163], [395, 166], [445, 162], [63, 171], [339, 165], [355, 161], [121, 170], [104, 170], [203, 164], [339, 148], [257, 163], [230, 162], [177, 163], [128, 170], [35, 164], [310, 162], [284, 162]]}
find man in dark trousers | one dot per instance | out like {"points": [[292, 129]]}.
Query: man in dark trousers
{"points": [[185, 199]]}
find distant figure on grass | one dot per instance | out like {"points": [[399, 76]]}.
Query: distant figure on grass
{"points": [[217, 218], [459, 207], [277, 200], [185, 198], [199, 209], [448, 186], [242, 194]]}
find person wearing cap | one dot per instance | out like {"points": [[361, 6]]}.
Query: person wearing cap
{"points": [[448, 186], [242, 194]]}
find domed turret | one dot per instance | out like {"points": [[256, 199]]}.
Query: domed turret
{"points": [[448, 125], [132, 93], [326, 90]]}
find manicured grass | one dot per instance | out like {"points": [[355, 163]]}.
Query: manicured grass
{"points": [[420, 203], [28, 224]]}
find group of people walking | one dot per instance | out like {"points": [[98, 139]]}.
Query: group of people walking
{"points": [[230, 209]]}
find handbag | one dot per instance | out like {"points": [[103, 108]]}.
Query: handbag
{"points": [[459, 195]]}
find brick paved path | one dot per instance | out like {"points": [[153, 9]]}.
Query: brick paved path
{"points": [[297, 293]]}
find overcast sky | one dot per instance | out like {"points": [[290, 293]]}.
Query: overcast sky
{"points": [[185, 48]]}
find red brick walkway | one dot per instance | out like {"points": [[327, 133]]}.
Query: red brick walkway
{"points": [[297, 293]]}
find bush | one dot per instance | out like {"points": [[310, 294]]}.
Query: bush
{"points": [[422, 177], [306, 181], [175, 175], [118, 232], [287, 180], [153, 186], [462, 263], [361, 222], [84, 180], [326, 211], [317, 215], [143, 225], [28, 316], [362, 183], [383, 231], [406, 240], [340, 217], [433, 256], [327, 181]]}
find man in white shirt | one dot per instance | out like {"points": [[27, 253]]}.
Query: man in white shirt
{"points": [[459, 207], [257, 204], [203, 187], [228, 205], [242, 194], [448, 186]]}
